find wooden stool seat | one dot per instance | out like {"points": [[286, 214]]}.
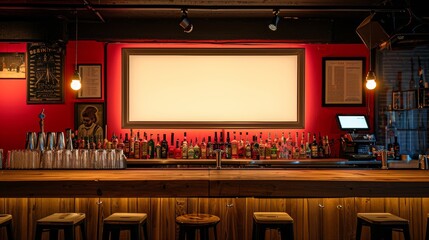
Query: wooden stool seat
{"points": [[6, 221], [117, 222], [61, 221], [381, 225], [190, 223], [280, 221]]}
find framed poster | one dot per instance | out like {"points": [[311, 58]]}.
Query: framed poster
{"points": [[90, 75], [90, 120], [343, 81], [45, 80], [12, 65]]}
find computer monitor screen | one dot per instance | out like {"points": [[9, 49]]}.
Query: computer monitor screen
{"points": [[352, 122]]}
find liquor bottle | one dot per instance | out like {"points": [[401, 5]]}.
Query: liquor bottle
{"points": [[314, 147], [296, 145], [126, 146], [144, 148], [255, 148], [241, 146], [197, 150], [289, 145], [390, 132], [171, 147], [177, 151], [75, 139], [261, 147], [396, 148], [327, 148], [210, 148], [151, 147], [307, 146], [234, 147], [114, 141], [320, 147], [184, 147], [203, 148], [228, 147], [274, 151], [268, 146], [164, 147], [137, 152], [248, 148], [215, 142], [302, 149], [120, 142], [222, 144], [158, 146], [191, 151], [131, 143]]}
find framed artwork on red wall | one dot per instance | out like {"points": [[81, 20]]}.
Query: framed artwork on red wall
{"points": [[343, 81], [90, 120], [45, 79], [90, 75], [12, 65]]}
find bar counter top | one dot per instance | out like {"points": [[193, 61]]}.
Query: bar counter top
{"points": [[185, 182]]}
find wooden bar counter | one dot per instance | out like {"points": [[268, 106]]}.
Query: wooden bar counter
{"points": [[322, 202], [215, 183]]}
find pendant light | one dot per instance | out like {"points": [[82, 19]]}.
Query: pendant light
{"points": [[76, 83], [370, 77]]}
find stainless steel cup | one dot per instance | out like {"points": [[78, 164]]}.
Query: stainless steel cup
{"points": [[30, 140], [61, 143], [51, 141], [41, 141]]}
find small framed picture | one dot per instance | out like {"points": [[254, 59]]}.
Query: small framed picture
{"points": [[12, 65], [343, 81], [90, 120], [90, 75]]}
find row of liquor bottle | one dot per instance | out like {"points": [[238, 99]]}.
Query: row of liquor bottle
{"points": [[255, 148]]}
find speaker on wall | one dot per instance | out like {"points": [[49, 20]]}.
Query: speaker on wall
{"points": [[371, 32]]}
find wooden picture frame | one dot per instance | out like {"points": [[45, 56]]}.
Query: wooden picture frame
{"points": [[85, 112], [45, 75], [221, 75], [343, 81], [13, 65], [90, 75]]}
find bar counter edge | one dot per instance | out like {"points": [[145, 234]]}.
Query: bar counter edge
{"points": [[270, 183]]}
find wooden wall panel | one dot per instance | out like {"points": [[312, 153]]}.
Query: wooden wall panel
{"points": [[314, 218]]}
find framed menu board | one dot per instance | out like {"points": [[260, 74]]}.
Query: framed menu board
{"points": [[45, 81]]}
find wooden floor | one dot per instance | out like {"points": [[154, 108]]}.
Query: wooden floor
{"points": [[314, 218]]}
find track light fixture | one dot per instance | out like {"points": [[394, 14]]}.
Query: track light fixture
{"points": [[275, 21], [185, 23]]}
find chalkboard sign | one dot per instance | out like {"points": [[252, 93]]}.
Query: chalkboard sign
{"points": [[45, 81]]}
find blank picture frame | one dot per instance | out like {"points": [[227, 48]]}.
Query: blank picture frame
{"points": [[212, 88]]}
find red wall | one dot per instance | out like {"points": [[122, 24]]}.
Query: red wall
{"points": [[18, 117]]}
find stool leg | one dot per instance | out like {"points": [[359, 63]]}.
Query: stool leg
{"points": [[145, 234], [106, 232], [286, 232], [407, 235], [134, 233], [9, 230], [53, 234], [215, 232], [254, 231], [38, 235], [358, 229], [83, 230], [182, 233], [68, 233]]}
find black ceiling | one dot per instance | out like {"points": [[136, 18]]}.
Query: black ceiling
{"points": [[135, 20]]}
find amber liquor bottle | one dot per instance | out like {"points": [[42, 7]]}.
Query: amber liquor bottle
{"points": [[171, 148], [164, 147]]}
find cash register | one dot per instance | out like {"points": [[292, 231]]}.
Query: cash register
{"points": [[357, 143]]}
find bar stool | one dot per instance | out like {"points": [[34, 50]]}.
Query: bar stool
{"points": [[381, 225], [272, 220], [190, 223], [6, 221], [61, 221], [117, 222]]}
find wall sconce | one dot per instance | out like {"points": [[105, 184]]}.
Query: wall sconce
{"points": [[275, 21], [76, 83], [185, 23]]}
